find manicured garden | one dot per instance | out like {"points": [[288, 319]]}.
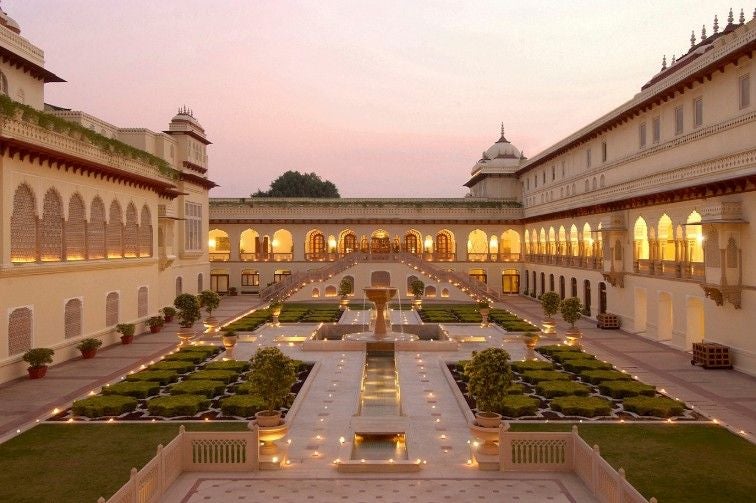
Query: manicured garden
{"points": [[291, 312], [470, 313], [186, 385], [572, 385]]}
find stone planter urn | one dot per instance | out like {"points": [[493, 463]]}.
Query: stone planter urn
{"points": [[488, 436], [37, 372], [530, 340], [548, 326], [343, 303], [573, 336], [229, 341], [275, 312], [484, 312], [271, 428], [185, 334], [488, 419]]}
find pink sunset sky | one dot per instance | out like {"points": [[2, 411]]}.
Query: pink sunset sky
{"points": [[384, 98]]}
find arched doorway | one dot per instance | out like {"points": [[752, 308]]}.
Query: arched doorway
{"points": [[510, 281], [561, 287], [602, 297], [587, 297], [380, 242], [478, 274], [664, 317], [694, 329], [573, 287], [543, 282]]}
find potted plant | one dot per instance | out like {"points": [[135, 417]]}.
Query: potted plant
{"points": [[229, 339], [127, 332], [275, 311], [155, 323], [550, 302], [484, 308], [209, 300], [489, 376], [188, 308], [417, 289], [38, 358], [168, 313], [345, 288], [272, 375], [571, 310], [530, 338], [233, 292], [88, 347]]}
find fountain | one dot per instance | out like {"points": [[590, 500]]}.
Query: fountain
{"points": [[381, 338]]}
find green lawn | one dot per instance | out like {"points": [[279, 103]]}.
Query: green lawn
{"points": [[674, 463], [79, 463]]}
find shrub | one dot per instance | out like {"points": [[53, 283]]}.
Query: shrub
{"points": [[188, 356], [532, 365], [180, 366], [582, 364], [597, 376], [536, 376], [246, 388], [38, 357], [233, 365], [571, 310], [207, 389], [207, 349], [489, 377], [515, 389], [136, 389], [273, 375], [518, 405], [657, 406], [155, 321], [188, 309], [585, 406], [549, 350], [461, 364], [551, 389], [168, 312], [126, 329], [550, 303], [209, 300], [98, 406], [161, 376], [89, 344], [226, 376], [242, 405], [622, 389], [561, 356], [177, 405]]}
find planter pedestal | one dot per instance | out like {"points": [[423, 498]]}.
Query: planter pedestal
{"points": [[487, 451], [211, 321], [548, 326], [271, 457], [229, 343], [185, 335], [573, 336], [484, 312]]}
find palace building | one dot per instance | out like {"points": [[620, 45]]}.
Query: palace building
{"points": [[646, 213], [100, 224]]}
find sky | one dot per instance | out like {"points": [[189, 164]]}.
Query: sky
{"points": [[384, 98]]}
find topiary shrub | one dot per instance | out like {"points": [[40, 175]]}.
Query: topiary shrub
{"points": [[550, 304], [233, 365], [489, 377], [161, 376], [180, 366], [177, 405], [657, 406], [561, 356], [585, 406], [597, 376], [551, 389], [207, 389], [187, 356], [242, 405], [136, 389], [226, 376], [209, 300], [99, 406], [571, 310], [549, 350], [532, 365], [273, 375], [582, 364], [536, 376], [460, 367], [518, 405], [622, 389], [188, 307]]}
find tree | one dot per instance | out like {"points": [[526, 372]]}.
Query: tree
{"points": [[489, 377], [550, 302], [210, 300], [272, 375], [296, 184], [571, 310]]}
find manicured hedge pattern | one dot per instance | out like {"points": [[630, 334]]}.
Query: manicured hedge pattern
{"points": [[242, 405], [161, 376], [208, 389], [518, 405], [536, 376], [136, 389], [597, 376], [226, 376], [586, 406], [551, 389], [622, 389], [532, 365], [177, 405], [99, 406], [657, 406]]}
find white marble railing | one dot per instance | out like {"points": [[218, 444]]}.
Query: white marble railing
{"points": [[205, 451], [22, 47]]}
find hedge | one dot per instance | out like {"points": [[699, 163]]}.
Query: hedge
{"points": [[177, 405], [161, 376], [585, 406], [242, 405], [597, 376], [98, 406], [657, 406], [208, 349], [562, 356], [136, 389], [207, 389], [551, 389], [246, 388], [226, 376], [188, 356], [180, 366], [622, 389], [518, 405], [548, 350], [532, 365], [233, 365], [583, 364], [516, 389], [536, 376]]}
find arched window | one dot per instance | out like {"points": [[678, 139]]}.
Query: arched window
{"points": [[111, 309], [96, 230], [250, 246], [315, 245], [640, 238], [330, 291], [509, 245], [561, 287], [20, 324], [219, 246], [114, 231], [23, 226], [76, 229], [131, 233], [349, 243], [562, 245], [587, 239], [283, 245], [145, 232], [666, 237], [477, 246], [179, 286], [551, 282], [72, 318], [694, 237], [573, 287], [142, 301], [412, 242], [51, 228]]}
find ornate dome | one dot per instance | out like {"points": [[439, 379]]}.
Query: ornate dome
{"points": [[501, 154], [9, 22]]}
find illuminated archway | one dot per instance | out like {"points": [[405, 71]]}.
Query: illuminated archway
{"points": [[640, 239], [218, 246], [666, 238], [477, 246], [282, 245]]}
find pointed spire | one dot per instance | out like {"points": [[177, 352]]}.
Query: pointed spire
{"points": [[502, 129], [742, 17], [703, 32], [664, 62], [673, 60], [692, 38], [716, 24], [729, 17]]}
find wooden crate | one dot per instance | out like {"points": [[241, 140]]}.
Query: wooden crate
{"points": [[608, 320], [711, 355]]}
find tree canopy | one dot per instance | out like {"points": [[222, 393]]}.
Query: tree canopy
{"points": [[296, 184]]}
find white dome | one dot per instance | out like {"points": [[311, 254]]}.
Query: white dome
{"points": [[501, 154], [9, 22]]}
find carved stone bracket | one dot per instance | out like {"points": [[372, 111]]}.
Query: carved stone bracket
{"points": [[719, 294], [616, 279]]}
